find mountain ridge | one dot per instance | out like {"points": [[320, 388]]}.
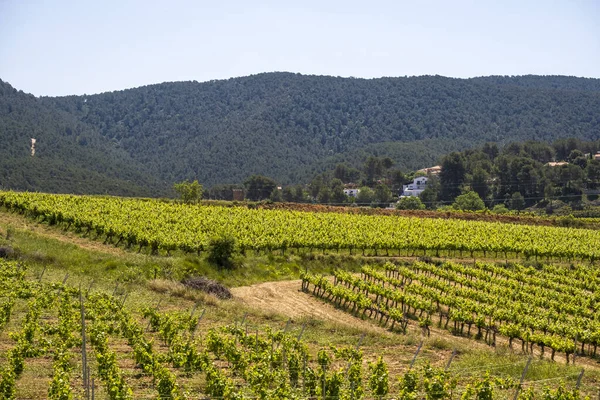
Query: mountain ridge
{"points": [[517, 80], [290, 126]]}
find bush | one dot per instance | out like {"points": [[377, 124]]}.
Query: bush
{"points": [[365, 196], [469, 201], [517, 201], [189, 192], [500, 209], [221, 251], [569, 221], [410, 203]]}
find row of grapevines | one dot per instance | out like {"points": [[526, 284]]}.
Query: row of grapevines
{"points": [[60, 387], [26, 346], [169, 226], [236, 363], [530, 311]]}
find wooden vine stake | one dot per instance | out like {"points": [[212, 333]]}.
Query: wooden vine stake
{"points": [[522, 378], [416, 354], [85, 368]]}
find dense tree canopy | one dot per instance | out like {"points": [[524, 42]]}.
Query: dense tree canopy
{"points": [[70, 155], [520, 174], [286, 126], [260, 187]]}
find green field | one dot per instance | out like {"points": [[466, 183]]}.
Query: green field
{"points": [[169, 226], [150, 336]]}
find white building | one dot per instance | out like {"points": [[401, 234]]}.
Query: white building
{"points": [[351, 192], [416, 188]]}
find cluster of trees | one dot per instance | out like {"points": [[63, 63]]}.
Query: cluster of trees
{"points": [[70, 157], [377, 182], [189, 192], [515, 177], [290, 126], [519, 175]]}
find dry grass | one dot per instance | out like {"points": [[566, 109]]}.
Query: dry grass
{"points": [[178, 289]]}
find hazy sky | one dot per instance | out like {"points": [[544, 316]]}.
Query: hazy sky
{"points": [[60, 47]]}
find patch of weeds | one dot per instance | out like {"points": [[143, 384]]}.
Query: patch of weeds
{"points": [[131, 275], [10, 231], [440, 343], [111, 265], [411, 340], [310, 321], [41, 257]]}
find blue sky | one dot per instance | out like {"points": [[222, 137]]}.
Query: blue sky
{"points": [[62, 47]]}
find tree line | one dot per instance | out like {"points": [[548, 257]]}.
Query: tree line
{"points": [[513, 177]]}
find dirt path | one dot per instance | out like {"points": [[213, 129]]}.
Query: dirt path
{"points": [[287, 299], [20, 222]]}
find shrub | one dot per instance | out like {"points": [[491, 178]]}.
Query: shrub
{"points": [[500, 209], [469, 201], [221, 251], [410, 203], [6, 252]]}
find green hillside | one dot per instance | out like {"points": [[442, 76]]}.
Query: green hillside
{"points": [[70, 155], [287, 126]]}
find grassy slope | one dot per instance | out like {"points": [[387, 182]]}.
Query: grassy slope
{"points": [[59, 253]]}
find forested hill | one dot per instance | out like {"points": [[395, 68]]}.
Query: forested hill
{"points": [[544, 82], [70, 156], [289, 126]]}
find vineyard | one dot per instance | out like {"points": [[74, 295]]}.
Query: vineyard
{"points": [[553, 309], [63, 341], [91, 337], [165, 226]]}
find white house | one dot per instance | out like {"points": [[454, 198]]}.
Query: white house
{"points": [[416, 188], [351, 192]]}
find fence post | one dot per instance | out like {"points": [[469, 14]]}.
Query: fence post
{"points": [[287, 325], [83, 347], [193, 310], [579, 379], [198, 323], [42, 274], [522, 378], [450, 360], [124, 300], [575, 348], [87, 293], [244, 319], [301, 332], [362, 337], [416, 354]]}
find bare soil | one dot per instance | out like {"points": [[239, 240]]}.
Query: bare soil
{"points": [[286, 298]]}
